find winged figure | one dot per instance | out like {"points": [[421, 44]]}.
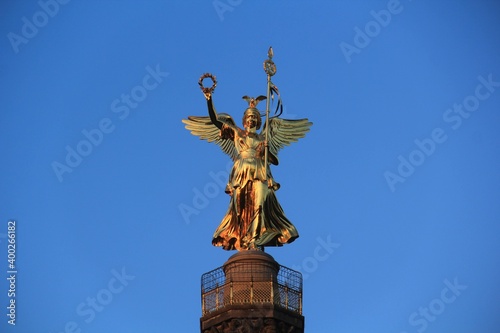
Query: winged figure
{"points": [[254, 218]]}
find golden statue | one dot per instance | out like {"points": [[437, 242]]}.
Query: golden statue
{"points": [[254, 218]]}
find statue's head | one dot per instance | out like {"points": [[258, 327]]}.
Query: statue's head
{"points": [[251, 117]]}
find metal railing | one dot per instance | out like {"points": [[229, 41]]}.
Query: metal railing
{"points": [[283, 289]]}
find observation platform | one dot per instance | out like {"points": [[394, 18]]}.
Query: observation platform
{"points": [[251, 292]]}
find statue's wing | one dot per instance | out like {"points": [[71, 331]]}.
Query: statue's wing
{"points": [[206, 130], [283, 132]]}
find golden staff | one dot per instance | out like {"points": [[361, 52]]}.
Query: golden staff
{"points": [[270, 69]]}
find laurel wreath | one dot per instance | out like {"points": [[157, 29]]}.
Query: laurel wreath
{"points": [[205, 89]]}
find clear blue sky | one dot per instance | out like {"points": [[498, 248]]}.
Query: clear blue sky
{"points": [[399, 174]]}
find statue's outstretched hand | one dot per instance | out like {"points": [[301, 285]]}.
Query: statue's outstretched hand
{"points": [[208, 95]]}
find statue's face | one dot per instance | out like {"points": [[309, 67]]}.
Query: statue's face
{"points": [[251, 121]]}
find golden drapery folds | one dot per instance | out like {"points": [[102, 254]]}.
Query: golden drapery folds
{"points": [[254, 218]]}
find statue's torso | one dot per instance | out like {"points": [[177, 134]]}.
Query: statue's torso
{"points": [[249, 145], [250, 163]]}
